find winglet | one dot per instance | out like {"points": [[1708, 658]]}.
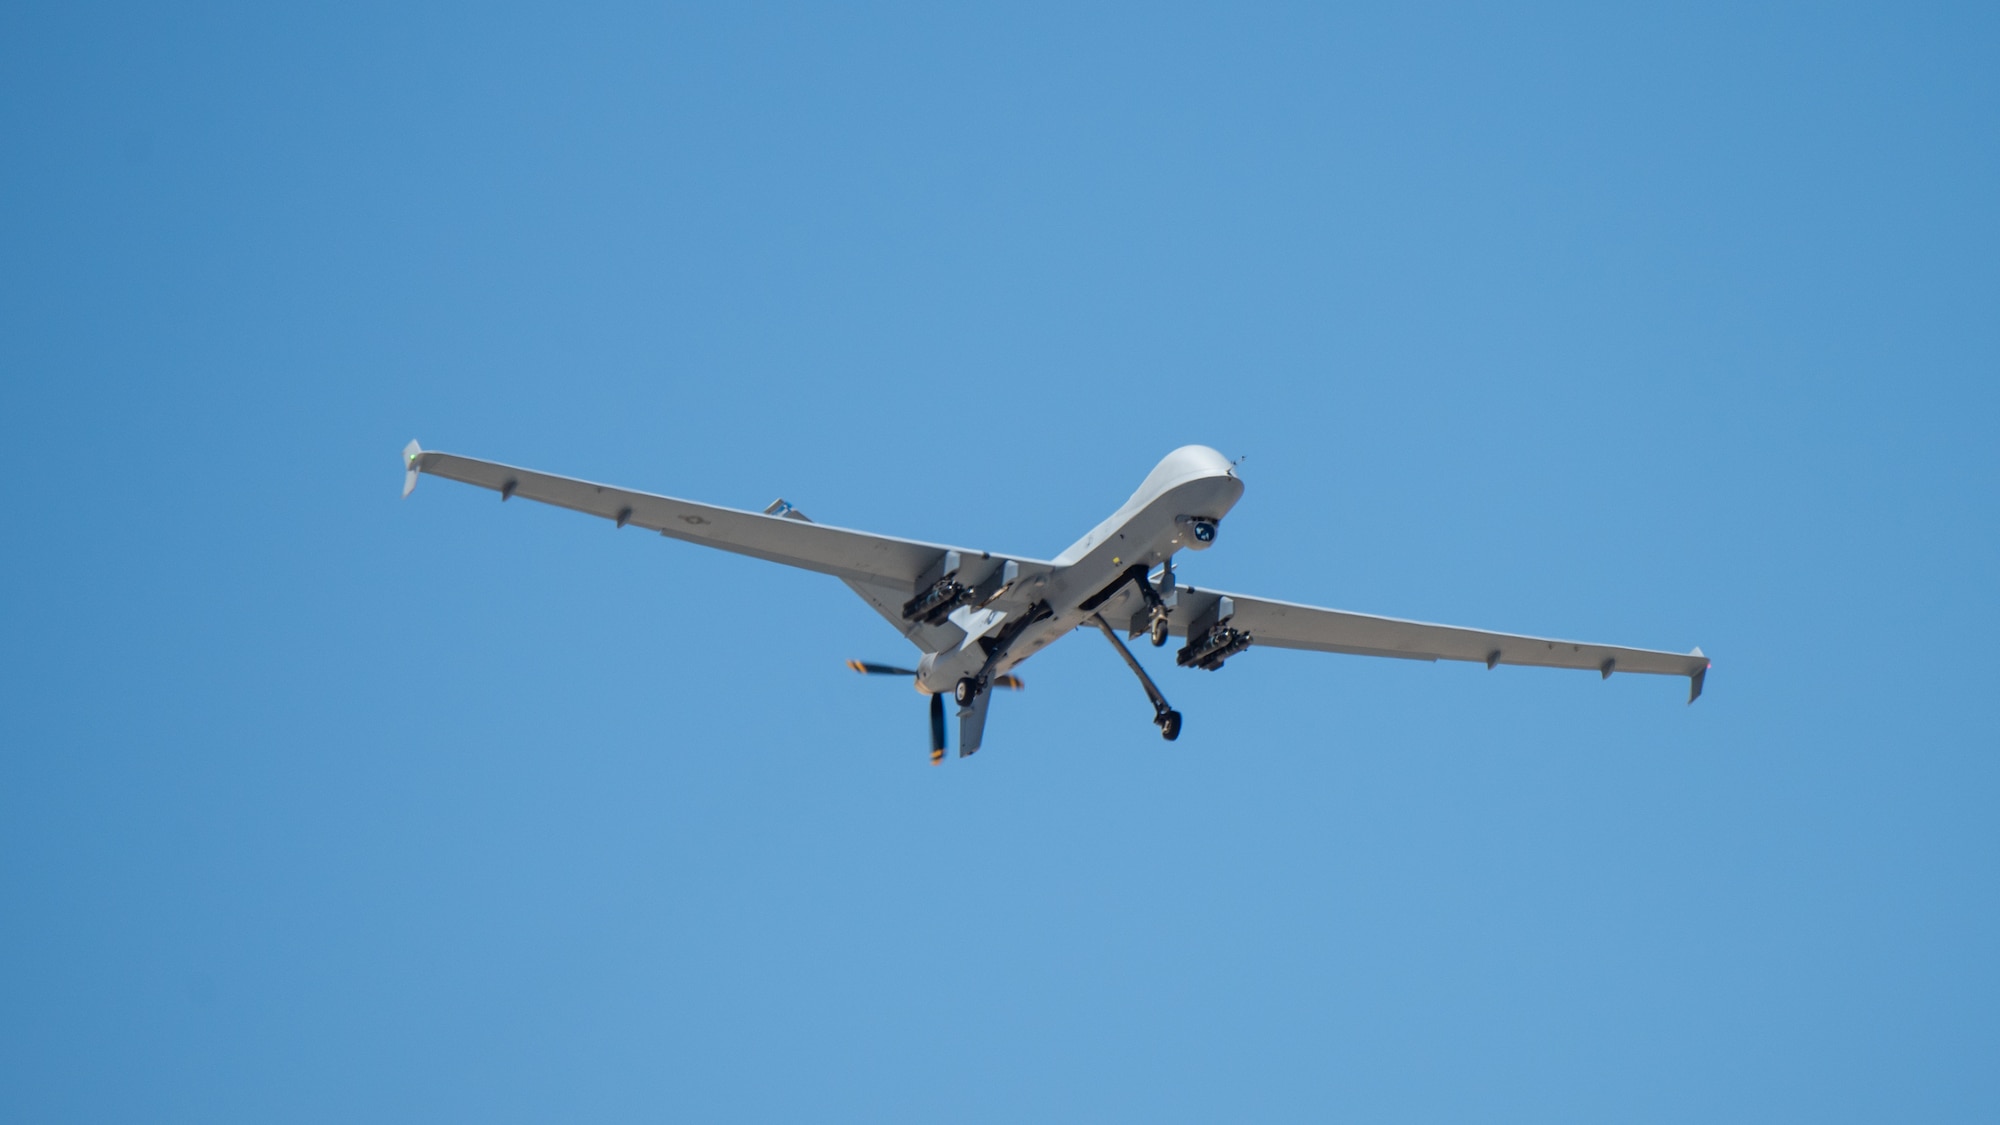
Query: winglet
{"points": [[1695, 680], [411, 452]]}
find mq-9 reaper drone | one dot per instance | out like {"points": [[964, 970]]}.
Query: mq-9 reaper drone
{"points": [[975, 615]]}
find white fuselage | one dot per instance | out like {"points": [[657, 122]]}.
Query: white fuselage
{"points": [[1192, 483]]}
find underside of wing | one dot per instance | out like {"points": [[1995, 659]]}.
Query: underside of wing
{"points": [[1288, 625], [882, 568]]}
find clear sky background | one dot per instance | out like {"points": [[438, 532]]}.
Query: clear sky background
{"points": [[1664, 327]]}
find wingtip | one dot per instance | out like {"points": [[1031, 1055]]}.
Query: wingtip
{"points": [[1695, 682], [411, 452]]}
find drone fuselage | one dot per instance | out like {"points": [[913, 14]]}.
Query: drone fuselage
{"points": [[1177, 508]]}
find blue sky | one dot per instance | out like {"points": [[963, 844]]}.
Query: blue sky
{"points": [[1662, 326]]}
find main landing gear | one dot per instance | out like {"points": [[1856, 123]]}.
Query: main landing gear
{"points": [[1164, 716], [1158, 612], [966, 691], [1157, 609]]}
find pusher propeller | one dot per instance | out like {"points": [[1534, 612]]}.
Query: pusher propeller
{"points": [[868, 669], [1011, 683]]}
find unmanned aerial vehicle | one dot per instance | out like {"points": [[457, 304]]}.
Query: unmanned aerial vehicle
{"points": [[975, 615]]}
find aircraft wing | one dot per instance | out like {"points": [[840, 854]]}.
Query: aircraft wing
{"points": [[881, 563], [1287, 625]]}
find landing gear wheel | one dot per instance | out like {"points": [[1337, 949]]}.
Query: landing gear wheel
{"points": [[1158, 631], [966, 691], [1170, 725]]}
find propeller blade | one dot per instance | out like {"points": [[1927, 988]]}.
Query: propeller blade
{"points": [[868, 669], [1011, 683], [937, 729]]}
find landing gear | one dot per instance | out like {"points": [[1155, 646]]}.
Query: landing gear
{"points": [[1157, 631], [1164, 716], [966, 691]]}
